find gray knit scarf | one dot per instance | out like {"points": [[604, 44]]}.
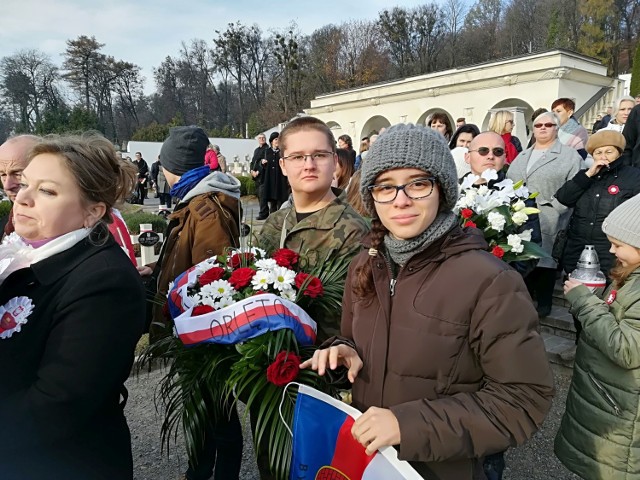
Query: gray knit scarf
{"points": [[401, 251]]}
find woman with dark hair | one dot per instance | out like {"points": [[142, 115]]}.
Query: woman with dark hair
{"points": [[345, 143], [459, 146], [463, 136], [72, 311], [344, 169], [429, 317], [440, 122]]}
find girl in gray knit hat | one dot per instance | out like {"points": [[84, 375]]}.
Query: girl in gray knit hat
{"points": [[438, 336], [599, 436]]}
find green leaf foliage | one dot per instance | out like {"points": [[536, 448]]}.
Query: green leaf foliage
{"points": [[247, 186], [635, 73]]}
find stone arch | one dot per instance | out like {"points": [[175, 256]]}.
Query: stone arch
{"points": [[522, 112], [374, 124], [335, 128]]}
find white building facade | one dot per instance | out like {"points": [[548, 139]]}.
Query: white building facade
{"points": [[520, 85]]}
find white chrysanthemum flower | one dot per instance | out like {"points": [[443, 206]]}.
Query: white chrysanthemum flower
{"points": [[224, 302], [258, 252], [266, 264], [496, 221], [217, 289], [207, 300], [261, 280], [171, 284], [519, 217], [519, 205], [283, 278], [515, 242], [288, 294], [526, 235]]}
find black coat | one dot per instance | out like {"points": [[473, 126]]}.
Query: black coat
{"points": [[60, 410], [276, 186], [155, 170], [256, 162], [631, 132], [593, 198]]}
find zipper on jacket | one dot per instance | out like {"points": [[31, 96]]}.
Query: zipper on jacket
{"points": [[607, 397], [392, 286]]}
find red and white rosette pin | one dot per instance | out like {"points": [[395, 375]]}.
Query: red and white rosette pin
{"points": [[13, 315], [611, 297], [613, 190]]}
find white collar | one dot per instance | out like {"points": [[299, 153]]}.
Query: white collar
{"points": [[16, 254]]}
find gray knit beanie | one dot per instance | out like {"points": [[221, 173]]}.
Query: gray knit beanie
{"points": [[184, 149], [410, 146], [622, 224]]}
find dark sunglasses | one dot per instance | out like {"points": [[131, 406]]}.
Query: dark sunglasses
{"points": [[548, 125], [484, 151]]}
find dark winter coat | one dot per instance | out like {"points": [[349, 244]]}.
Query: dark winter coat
{"points": [[276, 186], [454, 353], [593, 198], [155, 170], [631, 132], [256, 162], [60, 396], [599, 437], [201, 226]]}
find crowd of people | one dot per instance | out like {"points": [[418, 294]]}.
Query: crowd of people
{"points": [[437, 339]]}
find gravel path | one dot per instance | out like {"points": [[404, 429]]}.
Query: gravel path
{"points": [[533, 461]]}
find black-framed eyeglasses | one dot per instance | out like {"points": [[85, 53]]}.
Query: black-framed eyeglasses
{"points": [[415, 190], [318, 157], [484, 151]]}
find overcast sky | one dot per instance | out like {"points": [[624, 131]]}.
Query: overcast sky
{"points": [[145, 32]]}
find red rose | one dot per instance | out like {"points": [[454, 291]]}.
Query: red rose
{"points": [[285, 257], [241, 277], [201, 310], [284, 368], [313, 287], [497, 251], [469, 223], [239, 259], [466, 213], [211, 275]]}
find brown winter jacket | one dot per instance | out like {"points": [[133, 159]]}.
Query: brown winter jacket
{"points": [[454, 354], [205, 226]]}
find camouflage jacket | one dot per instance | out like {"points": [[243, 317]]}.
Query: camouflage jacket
{"points": [[336, 231]]}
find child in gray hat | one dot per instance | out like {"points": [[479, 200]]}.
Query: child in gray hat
{"points": [[598, 436], [438, 336]]}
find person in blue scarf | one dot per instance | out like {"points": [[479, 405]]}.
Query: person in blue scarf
{"points": [[205, 223]]}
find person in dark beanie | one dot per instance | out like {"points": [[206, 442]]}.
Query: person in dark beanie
{"points": [[424, 288], [205, 223]]}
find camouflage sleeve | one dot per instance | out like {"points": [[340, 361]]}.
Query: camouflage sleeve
{"points": [[349, 235], [269, 237]]}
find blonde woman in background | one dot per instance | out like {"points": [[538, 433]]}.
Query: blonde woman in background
{"points": [[502, 123], [622, 108]]}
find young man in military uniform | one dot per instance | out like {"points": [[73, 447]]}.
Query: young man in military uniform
{"points": [[319, 224]]}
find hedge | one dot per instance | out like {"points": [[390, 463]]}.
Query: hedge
{"points": [[133, 221], [247, 186]]}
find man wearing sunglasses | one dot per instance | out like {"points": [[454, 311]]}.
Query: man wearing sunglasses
{"points": [[486, 151]]}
